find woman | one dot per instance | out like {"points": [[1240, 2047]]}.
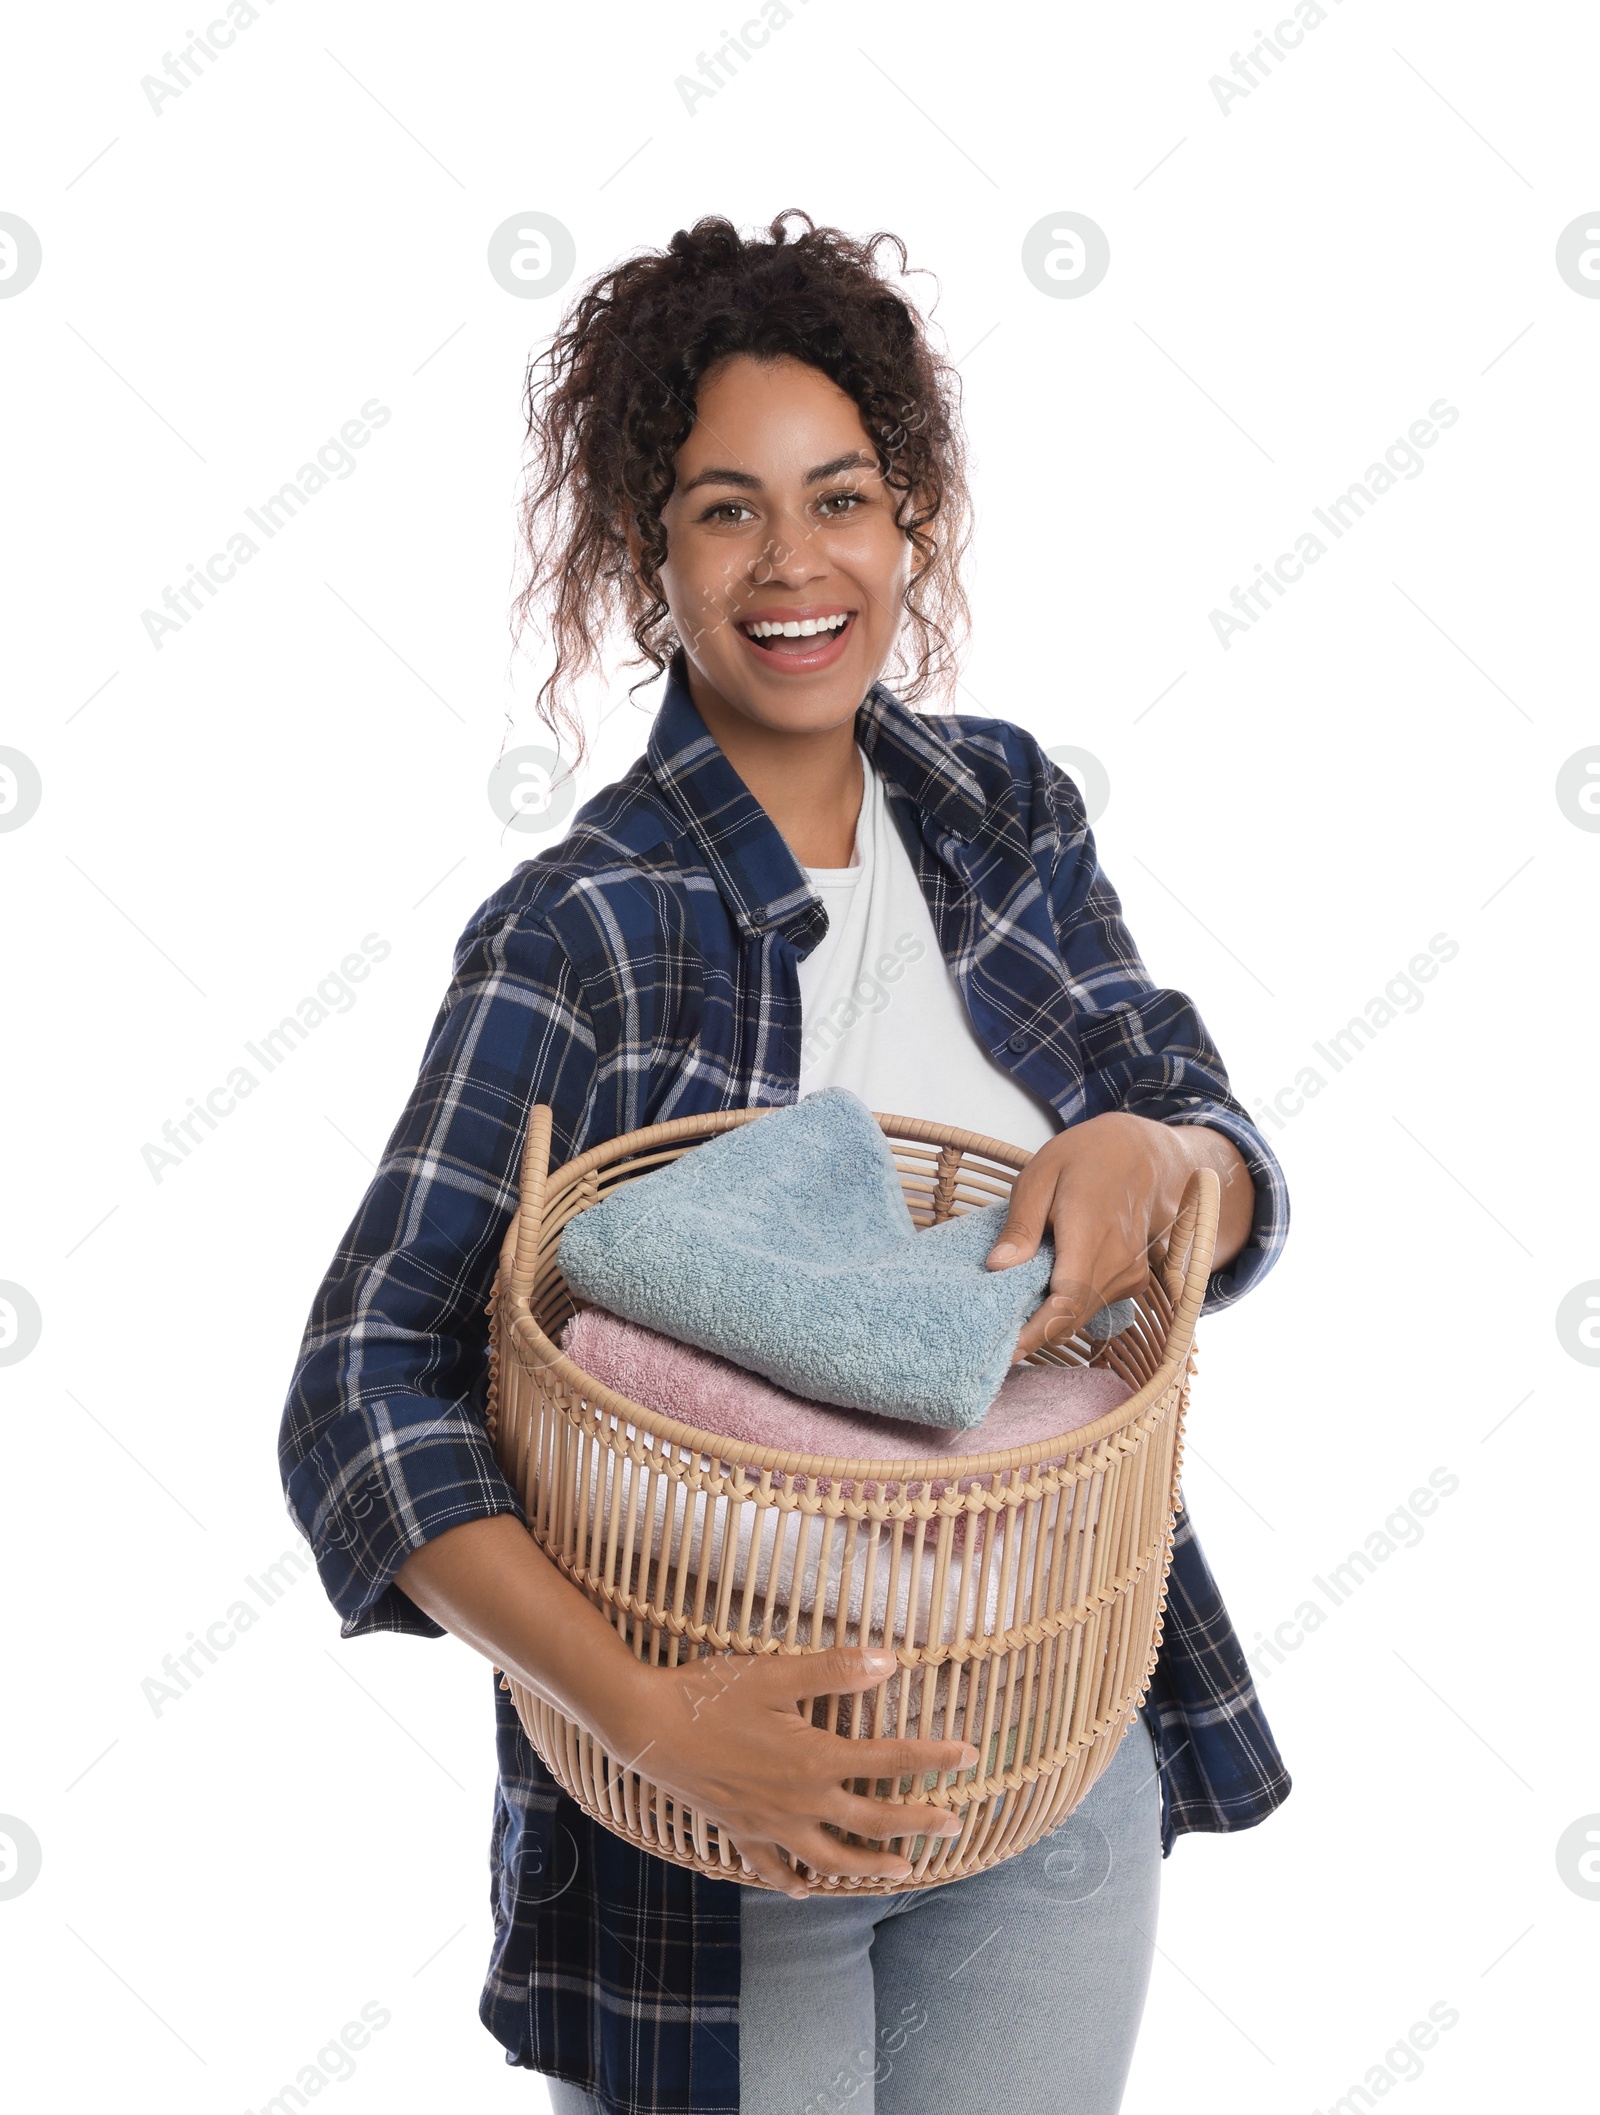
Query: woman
{"points": [[749, 452]]}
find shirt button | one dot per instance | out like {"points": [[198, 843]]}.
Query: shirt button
{"points": [[1018, 1040]]}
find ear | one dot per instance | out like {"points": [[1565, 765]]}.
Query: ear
{"points": [[917, 562]]}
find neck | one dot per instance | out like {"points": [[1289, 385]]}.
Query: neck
{"points": [[809, 782]]}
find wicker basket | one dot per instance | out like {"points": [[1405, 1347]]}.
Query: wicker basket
{"points": [[1022, 1591]]}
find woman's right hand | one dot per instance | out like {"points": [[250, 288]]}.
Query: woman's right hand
{"points": [[723, 1734], [720, 1733]]}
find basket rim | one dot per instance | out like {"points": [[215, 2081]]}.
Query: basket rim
{"points": [[1203, 1186]]}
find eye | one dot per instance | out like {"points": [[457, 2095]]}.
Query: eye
{"points": [[725, 509], [838, 504]]}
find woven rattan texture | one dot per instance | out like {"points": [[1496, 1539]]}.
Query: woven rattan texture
{"points": [[1022, 1597]]}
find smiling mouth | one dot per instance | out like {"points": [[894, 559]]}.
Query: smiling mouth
{"points": [[792, 638]]}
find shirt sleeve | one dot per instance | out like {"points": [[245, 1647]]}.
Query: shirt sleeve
{"points": [[383, 1443], [1145, 1048]]}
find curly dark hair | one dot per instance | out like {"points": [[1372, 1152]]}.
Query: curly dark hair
{"points": [[612, 398]]}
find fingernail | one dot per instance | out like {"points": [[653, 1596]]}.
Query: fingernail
{"points": [[1002, 1252], [969, 1757]]}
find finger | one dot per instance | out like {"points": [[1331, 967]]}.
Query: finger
{"points": [[840, 1670], [1090, 1271], [1058, 1317], [832, 1859], [763, 1860], [880, 1819], [903, 1758], [1092, 1243], [1027, 1216], [826, 1856]]}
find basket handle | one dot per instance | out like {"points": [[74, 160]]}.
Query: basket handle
{"points": [[1186, 1264], [530, 1207]]}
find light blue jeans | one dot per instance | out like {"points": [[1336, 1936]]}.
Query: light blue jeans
{"points": [[1015, 1992]]}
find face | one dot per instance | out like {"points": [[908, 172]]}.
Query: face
{"points": [[785, 569]]}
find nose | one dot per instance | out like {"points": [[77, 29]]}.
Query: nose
{"points": [[788, 556]]}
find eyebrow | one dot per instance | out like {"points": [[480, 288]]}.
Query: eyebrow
{"points": [[857, 460]]}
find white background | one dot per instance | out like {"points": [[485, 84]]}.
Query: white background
{"points": [[1292, 283]]}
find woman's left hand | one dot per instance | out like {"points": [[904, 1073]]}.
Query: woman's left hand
{"points": [[1108, 1192]]}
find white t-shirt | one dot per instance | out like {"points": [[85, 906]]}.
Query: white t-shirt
{"points": [[881, 1012]]}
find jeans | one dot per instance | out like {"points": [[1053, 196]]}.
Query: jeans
{"points": [[1017, 1991]]}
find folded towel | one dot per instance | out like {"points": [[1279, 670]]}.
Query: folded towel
{"points": [[698, 1388], [1037, 1402], [787, 1246]]}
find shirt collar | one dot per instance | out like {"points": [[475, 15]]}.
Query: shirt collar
{"points": [[762, 881]]}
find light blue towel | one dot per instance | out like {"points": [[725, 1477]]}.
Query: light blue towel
{"points": [[787, 1246]]}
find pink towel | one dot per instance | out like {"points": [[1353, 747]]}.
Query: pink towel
{"points": [[695, 1387], [699, 1389]]}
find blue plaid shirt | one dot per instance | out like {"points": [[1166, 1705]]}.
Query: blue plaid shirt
{"points": [[641, 969]]}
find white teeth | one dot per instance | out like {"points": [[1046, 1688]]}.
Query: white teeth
{"points": [[805, 628]]}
